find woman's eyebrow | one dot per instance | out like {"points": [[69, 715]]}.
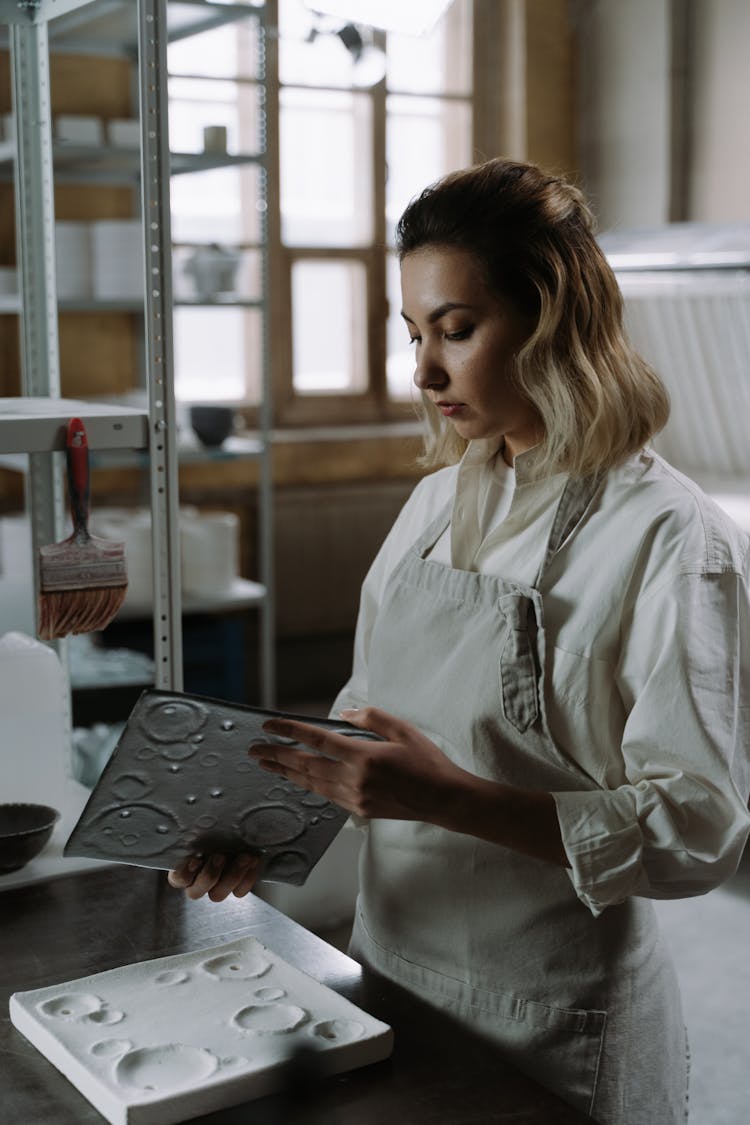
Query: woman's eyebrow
{"points": [[441, 310]]}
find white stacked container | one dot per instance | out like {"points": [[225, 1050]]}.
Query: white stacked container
{"points": [[117, 255], [73, 253]]}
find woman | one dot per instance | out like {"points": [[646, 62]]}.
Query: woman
{"points": [[553, 645]]}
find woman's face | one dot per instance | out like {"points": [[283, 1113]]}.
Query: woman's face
{"points": [[466, 339]]}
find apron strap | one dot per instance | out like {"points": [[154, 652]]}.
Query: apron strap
{"points": [[430, 536], [576, 498], [573, 504]]}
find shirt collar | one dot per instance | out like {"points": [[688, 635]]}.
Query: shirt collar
{"points": [[482, 450]]}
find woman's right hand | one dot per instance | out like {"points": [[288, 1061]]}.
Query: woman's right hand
{"points": [[217, 876]]}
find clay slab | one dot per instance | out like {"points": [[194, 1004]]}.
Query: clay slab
{"points": [[180, 781], [163, 1041]]}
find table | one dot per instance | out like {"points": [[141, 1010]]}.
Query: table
{"points": [[84, 923]]}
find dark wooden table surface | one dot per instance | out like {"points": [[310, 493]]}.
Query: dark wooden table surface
{"points": [[55, 931]]}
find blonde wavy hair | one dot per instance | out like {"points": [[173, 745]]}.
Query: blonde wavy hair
{"points": [[533, 235]]}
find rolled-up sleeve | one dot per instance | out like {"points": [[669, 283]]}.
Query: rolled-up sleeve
{"points": [[678, 824]]}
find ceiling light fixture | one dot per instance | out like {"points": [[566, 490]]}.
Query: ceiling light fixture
{"points": [[368, 60], [409, 17]]}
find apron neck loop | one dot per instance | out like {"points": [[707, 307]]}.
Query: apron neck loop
{"points": [[575, 500], [429, 538]]}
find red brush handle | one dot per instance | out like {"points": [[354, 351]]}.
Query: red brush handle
{"points": [[77, 450]]}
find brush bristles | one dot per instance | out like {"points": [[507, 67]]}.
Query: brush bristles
{"points": [[78, 611]]}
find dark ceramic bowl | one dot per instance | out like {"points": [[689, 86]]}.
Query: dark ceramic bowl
{"points": [[24, 830], [213, 424]]}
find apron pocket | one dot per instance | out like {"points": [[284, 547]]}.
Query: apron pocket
{"points": [[560, 1048]]}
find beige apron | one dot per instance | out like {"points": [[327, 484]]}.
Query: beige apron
{"points": [[589, 1007]]}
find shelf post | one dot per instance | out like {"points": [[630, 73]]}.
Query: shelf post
{"points": [[164, 481], [35, 248], [265, 483]]}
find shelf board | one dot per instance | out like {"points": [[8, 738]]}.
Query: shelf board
{"points": [[188, 452], [241, 594], [38, 425], [106, 164], [11, 305], [112, 26]]}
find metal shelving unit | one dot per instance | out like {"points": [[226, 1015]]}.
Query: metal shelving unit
{"points": [[35, 423], [108, 164], [43, 423]]}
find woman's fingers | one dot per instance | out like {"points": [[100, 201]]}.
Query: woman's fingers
{"points": [[216, 876], [388, 726], [183, 875], [239, 874], [326, 742], [248, 881]]}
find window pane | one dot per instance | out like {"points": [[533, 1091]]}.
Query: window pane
{"points": [[217, 206], [438, 63], [400, 361], [217, 354], [329, 327], [195, 103], [230, 51], [425, 138], [215, 272], [325, 168]]}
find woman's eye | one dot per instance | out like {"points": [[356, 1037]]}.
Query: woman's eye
{"points": [[462, 334], [414, 339]]}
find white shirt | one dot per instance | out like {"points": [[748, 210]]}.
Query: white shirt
{"points": [[647, 684]]}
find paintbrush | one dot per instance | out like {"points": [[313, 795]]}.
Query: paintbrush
{"points": [[83, 579]]}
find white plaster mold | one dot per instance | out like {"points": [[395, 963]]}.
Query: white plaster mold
{"points": [[163, 1041]]}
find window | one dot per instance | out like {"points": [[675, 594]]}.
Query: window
{"points": [[214, 94], [355, 140]]}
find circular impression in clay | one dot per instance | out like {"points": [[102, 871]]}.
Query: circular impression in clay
{"points": [[237, 966], [172, 976], [110, 1048], [268, 994], [173, 720], [269, 1019], [338, 1030], [141, 829], [286, 865], [164, 1067], [130, 786], [271, 825], [107, 1016], [71, 1006]]}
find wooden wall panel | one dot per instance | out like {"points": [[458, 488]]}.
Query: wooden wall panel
{"points": [[526, 82], [10, 357], [88, 84], [551, 91], [98, 354]]}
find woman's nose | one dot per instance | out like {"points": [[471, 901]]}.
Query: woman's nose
{"points": [[428, 371]]}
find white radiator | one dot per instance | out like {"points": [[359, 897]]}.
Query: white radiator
{"points": [[687, 309], [326, 538], [694, 328]]}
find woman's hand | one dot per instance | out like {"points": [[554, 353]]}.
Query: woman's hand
{"points": [[217, 876], [404, 777]]}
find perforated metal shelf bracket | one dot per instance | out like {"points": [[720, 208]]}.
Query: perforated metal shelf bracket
{"points": [[152, 73]]}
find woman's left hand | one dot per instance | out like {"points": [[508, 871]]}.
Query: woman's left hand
{"points": [[404, 777]]}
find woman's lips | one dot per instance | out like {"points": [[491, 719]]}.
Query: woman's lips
{"points": [[449, 409]]}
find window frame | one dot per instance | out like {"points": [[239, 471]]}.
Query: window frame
{"points": [[372, 405]]}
